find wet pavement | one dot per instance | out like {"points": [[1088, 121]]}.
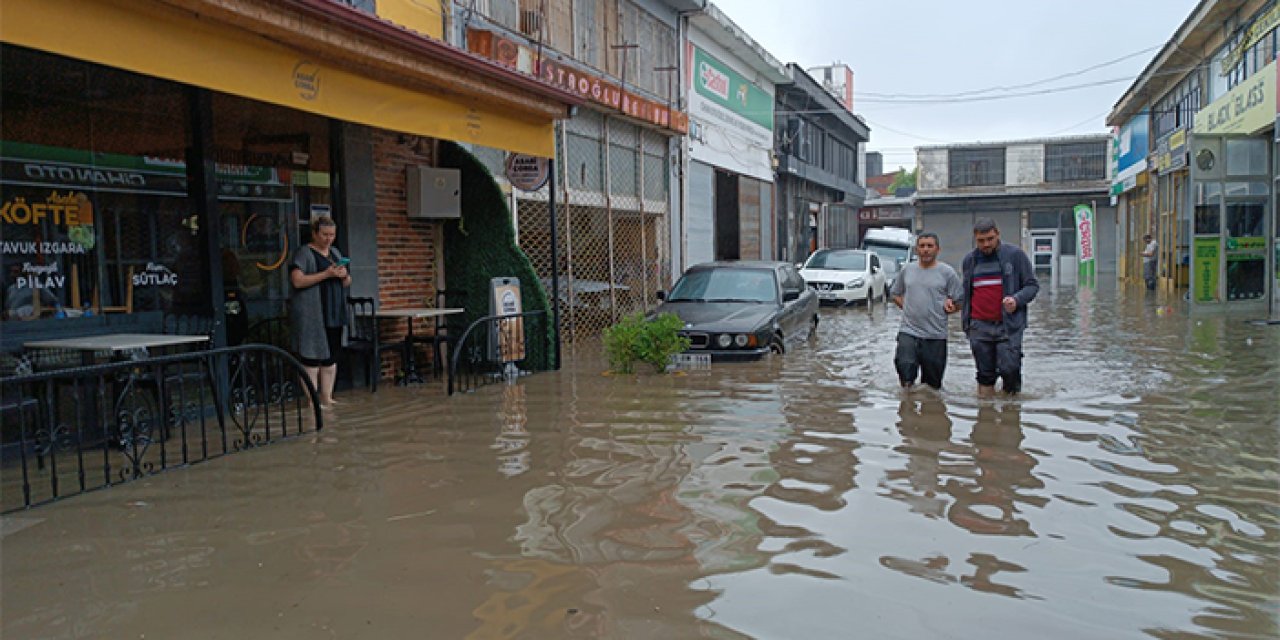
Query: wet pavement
{"points": [[1130, 492]]}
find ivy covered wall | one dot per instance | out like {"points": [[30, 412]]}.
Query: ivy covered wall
{"points": [[482, 245]]}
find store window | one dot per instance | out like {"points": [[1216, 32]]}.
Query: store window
{"points": [[273, 177], [96, 218], [976, 167]]}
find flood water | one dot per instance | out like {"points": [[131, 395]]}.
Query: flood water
{"points": [[1132, 491]]}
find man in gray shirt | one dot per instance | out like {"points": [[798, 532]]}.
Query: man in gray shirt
{"points": [[926, 291]]}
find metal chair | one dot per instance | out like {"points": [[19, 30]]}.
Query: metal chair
{"points": [[364, 340]]}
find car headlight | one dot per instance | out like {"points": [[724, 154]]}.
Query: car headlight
{"points": [[724, 340], [856, 282], [740, 340]]}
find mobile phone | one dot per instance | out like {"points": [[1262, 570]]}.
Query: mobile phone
{"points": [[342, 262]]}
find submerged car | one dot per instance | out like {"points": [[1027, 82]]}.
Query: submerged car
{"points": [[741, 310], [843, 276]]}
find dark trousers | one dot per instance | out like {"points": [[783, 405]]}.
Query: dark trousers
{"points": [[1149, 273], [997, 354], [923, 356]]}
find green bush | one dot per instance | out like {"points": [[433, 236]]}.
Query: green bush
{"points": [[635, 339]]}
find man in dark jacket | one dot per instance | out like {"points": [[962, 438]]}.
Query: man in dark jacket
{"points": [[999, 283]]}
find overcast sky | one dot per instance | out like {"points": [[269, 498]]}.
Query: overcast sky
{"points": [[956, 46]]}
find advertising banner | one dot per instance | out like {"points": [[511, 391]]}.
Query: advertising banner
{"points": [[731, 118], [1085, 243]]}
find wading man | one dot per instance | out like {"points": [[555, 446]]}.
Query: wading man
{"points": [[926, 291], [999, 283]]}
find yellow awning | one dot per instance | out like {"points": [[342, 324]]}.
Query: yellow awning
{"points": [[159, 41]]}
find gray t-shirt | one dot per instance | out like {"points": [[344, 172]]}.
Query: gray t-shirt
{"points": [[924, 292]]}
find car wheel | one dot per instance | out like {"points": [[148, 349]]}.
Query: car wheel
{"points": [[871, 298], [776, 345]]}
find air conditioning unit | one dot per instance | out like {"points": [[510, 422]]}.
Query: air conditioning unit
{"points": [[433, 193], [531, 23]]}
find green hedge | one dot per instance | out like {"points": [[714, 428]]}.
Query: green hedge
{"points": [[482, 245]]}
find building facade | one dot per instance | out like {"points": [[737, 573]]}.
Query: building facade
{"points": [[143, 176], [728, 181], [616, 158], [819, 145], [1206, 185], [1032, 189]]}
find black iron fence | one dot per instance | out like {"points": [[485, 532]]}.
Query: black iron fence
{"points": [[498, 348], [71, 430]]}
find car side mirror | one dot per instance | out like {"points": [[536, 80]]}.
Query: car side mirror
{"points": [[662, 295], [875, 269], [788, 296]]}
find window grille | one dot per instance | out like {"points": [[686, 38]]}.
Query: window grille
{"points": [[976, 167], [1075, 161]]}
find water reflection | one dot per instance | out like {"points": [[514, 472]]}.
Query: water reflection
{"points": [[989, 502]]}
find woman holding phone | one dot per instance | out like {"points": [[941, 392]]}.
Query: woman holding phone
{"points": [[317, 306]]}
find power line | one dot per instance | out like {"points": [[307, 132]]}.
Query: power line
{"points": [[1005, 96], [1081, 123], [904, 133], [973, 92]]}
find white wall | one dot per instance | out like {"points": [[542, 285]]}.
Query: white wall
{"points": [[932, 170], [1024, 164]]}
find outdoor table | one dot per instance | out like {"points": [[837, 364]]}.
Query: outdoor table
{"points": [[116, 343], [409, 370]]}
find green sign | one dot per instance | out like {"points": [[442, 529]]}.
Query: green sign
{"points": [[1247, 244], [1207, 264], [715, 81]]}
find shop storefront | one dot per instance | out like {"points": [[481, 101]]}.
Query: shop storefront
{"points": [[1233, 258], [140, 175], [729, 212], [1129, 193]]}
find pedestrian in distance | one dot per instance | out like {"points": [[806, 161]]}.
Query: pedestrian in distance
{"points": [[999, 283], [317, 306], [926, 290], [1149, 261]]}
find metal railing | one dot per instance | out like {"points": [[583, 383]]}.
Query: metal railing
{"points": [[498, 348], [72, 430]]}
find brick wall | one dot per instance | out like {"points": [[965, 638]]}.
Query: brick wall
{"points": [[406, 248]]}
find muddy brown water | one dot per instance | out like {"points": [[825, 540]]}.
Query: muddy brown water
{"points": [[1131, 492]]}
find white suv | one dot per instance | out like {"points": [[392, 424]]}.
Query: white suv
{"points": [[846, 275]]}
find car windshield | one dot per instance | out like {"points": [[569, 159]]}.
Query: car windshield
{"points": [[726, 285], [838, 260], [891, 253]]}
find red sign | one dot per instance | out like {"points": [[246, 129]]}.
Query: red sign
{"points": [[588, 85]]}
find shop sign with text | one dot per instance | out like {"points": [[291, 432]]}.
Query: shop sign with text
{"points": [[732, 117], [1171, 152], [586, 85], [1207, 264], [1246, 109]]}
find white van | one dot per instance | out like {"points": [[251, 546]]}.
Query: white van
{"points": [[895, 245], [892, 243]]}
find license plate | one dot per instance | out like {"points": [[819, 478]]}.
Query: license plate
{"points": [[826, 296]]}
